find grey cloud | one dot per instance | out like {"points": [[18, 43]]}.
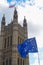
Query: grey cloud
{"points": [[33, 29]]}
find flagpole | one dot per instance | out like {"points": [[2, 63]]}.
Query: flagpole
{"points": [[38, 59], [38, 56], [29, 59]]}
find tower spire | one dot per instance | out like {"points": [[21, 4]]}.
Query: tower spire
{"points": [[15, 14], [24, 22], [3, 24], [3, 19], [25, 27]]}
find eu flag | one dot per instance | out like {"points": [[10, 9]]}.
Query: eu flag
{"points": [[27, 46]]}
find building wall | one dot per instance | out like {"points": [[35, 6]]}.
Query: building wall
{"points": [[12, 35], [1, 50]]}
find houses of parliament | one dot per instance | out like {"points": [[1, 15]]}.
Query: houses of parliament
{"points": [[12, 35]]}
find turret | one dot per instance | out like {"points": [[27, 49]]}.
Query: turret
{"points": [[15, 17], [25, 27], [3, 23], [24, 23], [3, 20], [2, 39], [15, 37]]}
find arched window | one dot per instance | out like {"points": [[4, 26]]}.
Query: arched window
{"points": [[5, 43], [18, 61], [10, 41], [3, 63], [10, 61], [23, 62], [6, 61]]}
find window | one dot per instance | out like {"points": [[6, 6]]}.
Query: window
{"points": [[3, 59], [5, 43], [23, 62], [10, 40], [9, 61], [6, 61], [18, 40], [18, 61], [3, 63]]}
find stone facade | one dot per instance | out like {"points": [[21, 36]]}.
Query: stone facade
{"points": [[12, 35]]}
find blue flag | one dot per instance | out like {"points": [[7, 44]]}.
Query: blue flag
{"points": [[27, 46]]}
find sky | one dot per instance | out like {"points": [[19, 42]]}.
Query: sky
{"points": [[33, 12]]}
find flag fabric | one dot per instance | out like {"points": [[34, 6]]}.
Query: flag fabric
{"points": [[10, 6], [11, 3], [27, 46]]}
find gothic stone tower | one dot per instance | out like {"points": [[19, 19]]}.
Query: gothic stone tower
{"points": [[12, 35]]}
